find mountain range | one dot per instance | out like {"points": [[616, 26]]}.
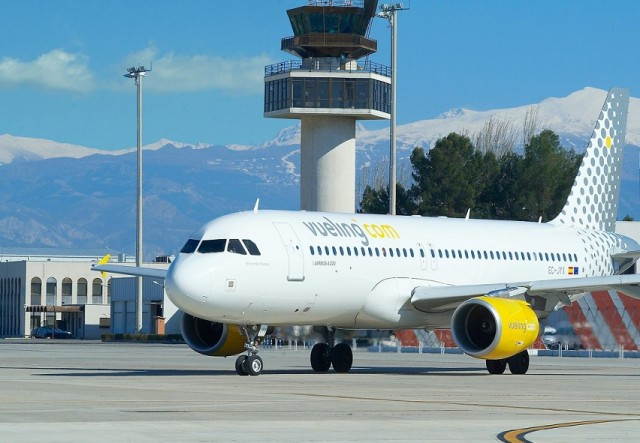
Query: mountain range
{"points": [[68, 196]]}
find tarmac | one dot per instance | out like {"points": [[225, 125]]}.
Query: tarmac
{"points": [[60, 391]]}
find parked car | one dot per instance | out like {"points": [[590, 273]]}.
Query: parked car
{"points": [[50, 332], [554, 338]]}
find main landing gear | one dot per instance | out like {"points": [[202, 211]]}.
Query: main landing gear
{"points": [[250, 364], [324, 355], [518, 364]]}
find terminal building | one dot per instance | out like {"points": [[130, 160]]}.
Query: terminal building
{"points": [[49, 287]]}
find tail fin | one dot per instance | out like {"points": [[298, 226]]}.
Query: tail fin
{"points": [[593, 201]]}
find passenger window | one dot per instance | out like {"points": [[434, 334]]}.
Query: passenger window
{"points": [[390, 252], [348, 251], [364, 251], [446, 253], [498, 255], [528, 256], [355, 251], [433, 254], [411, 252], [440, 252], [341, 251], [510, 256], [491, 254], [190, 246], [486, 257], [235, 247], [459, 253], [404, 251], [397, 252], [473, 255], [370, 253], [212, 246], [251, 247], [312, 250], [466, 254], [319, 250], [326, 250], [421, 253], [333, 248]]}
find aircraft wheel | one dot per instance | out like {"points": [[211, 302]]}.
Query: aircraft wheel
{"points": [[519, 363], [254, 365], [341, 358], [241, 365], [320, 360], [496, 366]]}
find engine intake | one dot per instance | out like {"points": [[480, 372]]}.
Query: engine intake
{"points": [[494, 328], [211, 338]]}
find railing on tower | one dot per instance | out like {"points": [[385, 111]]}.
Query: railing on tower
{"points": [[293, 65]]}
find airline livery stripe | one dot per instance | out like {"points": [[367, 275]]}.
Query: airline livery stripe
{"points": [[614, 321]]}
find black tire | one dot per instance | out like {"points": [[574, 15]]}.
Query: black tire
{"points": [[320, 360], [496, 366], [519, 363], [241, 365], [254, 365], [341, 358]]}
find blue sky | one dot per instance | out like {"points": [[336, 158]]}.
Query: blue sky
{"points": [[61, 62]]}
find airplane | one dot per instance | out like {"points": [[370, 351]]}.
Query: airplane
{"points": [[491, 282]]}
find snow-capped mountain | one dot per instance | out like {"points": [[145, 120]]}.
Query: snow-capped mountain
{"points": [[61, 195]]}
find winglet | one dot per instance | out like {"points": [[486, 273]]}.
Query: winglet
{"points": [[255, 207], [104, 260], [468, 214]]}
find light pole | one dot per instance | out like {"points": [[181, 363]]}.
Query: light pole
{"points": [[137, 73], [390, 12]]}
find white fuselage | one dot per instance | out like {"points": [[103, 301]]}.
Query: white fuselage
{"points": [[358, 271]]}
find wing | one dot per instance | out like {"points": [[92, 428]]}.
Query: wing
{"points": [[131, 270], [543, 295]]}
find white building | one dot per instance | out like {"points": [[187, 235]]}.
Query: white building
{"points": [[46, 287]]}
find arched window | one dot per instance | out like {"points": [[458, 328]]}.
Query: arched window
{"points": [[82, 292], [36, 291], [96, 292], [66, 291], [52, 289]]}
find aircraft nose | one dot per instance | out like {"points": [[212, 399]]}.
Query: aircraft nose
{"points": [[184, 284]]}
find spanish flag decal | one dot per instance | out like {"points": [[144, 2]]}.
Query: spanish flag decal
{"points": [[573, 270]]}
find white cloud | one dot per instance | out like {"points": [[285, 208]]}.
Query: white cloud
{"points": [[56, 69], [172, 72]]}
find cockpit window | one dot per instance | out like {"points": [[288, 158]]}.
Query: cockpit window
{"points": [[236, 247], [211, 246], [251, 247], [190, 246]]}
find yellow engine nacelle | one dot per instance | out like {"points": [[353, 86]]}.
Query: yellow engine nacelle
{"points": [[494, 328], [211, 338]]}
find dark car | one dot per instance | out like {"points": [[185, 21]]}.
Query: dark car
{"points": [[50, 332]]}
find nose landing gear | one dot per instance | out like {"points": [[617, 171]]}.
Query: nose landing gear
{"points": [[251, 364], [324, 355]]}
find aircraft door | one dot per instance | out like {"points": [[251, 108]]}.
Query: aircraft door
{"points": [[422, 254], [432, 257], [294, 251]]}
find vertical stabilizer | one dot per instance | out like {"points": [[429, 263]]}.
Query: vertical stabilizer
{"points": [[593, 201]]}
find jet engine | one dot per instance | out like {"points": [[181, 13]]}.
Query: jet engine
{"points": [[211, 338], [494, 328]]}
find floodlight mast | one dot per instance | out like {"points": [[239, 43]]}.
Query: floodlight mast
{"points": [[137, 73], [390, 12]]}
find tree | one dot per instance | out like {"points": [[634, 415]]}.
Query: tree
{"points": [[445, 178], [546, 176], [376, 201]]}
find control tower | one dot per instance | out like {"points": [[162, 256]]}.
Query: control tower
{"points": [[328, 90]]}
